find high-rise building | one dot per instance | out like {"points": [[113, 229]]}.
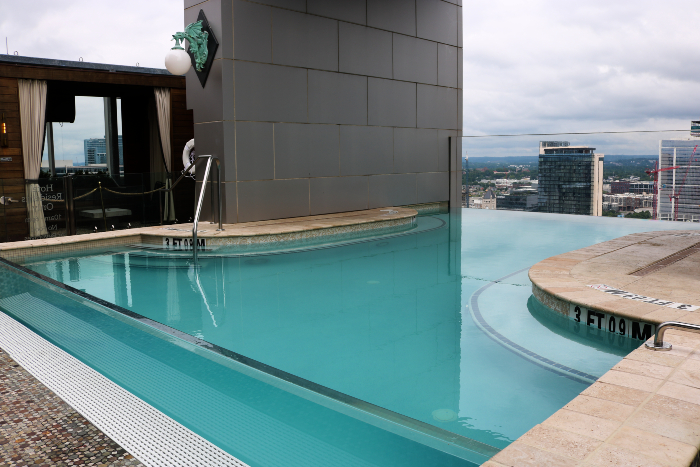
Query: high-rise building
{"points": [[96, 151], [570, 179], [679, 188]]}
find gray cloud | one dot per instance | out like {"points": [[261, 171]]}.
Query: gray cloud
{"points": [[123, 32], [551, 66], [536, 66]]}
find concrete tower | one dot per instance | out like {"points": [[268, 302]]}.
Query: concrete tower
{"points": [[322, 106]]}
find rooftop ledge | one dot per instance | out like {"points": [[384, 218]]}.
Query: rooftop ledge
{"points": [[36, 61]]}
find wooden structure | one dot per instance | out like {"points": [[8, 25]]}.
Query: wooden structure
{"points": [[133, 85]]}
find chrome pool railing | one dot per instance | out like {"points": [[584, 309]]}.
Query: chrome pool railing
{"points": [[198, 211], [659, 343]]}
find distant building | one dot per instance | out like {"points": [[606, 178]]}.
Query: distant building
{"points": [[679, 186], [570, 179], [96, 151], [627, 202], [626, 186], [519, 199], [489, 200]]}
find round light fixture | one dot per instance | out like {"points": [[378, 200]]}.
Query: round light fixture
{"points": [[177, 61], [444, 415]]}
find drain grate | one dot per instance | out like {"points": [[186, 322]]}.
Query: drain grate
{"points": [[148, 434], [667, 261]]}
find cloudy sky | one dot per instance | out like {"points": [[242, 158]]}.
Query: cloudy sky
{"points": [[541, 66]]}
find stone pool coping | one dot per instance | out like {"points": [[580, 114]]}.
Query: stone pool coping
{"points": [[248, 233], [565, 279], [645, 411]]}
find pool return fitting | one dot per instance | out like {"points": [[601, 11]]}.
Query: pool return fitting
{"points": [[659, 343]]}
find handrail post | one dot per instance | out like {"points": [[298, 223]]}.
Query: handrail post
{"points": [[659, 343], [218, 184], [199, 206], [70, 205], [211, 198]]}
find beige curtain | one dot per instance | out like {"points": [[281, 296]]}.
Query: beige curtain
{"points": [[32, 108], [163, 111], [156, 163]]}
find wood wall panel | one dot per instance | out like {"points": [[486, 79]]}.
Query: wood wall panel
{"points": [[13, 226]]}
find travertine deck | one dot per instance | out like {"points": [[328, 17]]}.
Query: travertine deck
{"points": [[243, 233], [565, 278], [646, 410]]}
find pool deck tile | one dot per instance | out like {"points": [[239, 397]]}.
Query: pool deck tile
{"points": [[582, 424], [643, 368], [655, 446], [560, 442], [615, 393], [629, 380], [600, 408], [613, 456], [519, 454]]}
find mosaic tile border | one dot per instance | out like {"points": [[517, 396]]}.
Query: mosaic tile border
{"points": [[429, 208], [388, 226], [551, 301], [20, 254], [60, 245]]}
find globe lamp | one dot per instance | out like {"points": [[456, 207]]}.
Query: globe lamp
{"points": [[177, 61]]}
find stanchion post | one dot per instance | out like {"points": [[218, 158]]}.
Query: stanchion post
{"points": [[70, 205], [104, 214]]}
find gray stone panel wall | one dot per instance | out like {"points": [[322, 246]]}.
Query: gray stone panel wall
{"points": [[319, 106]]}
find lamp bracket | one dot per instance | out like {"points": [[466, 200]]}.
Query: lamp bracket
{"points": [[202, 45]]}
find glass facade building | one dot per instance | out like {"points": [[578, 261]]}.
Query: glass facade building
{"points": [[570, 179], [96, 151], [679, 188], [525, 199]]}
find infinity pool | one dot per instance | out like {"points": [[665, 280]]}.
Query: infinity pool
{"points": [[365, 352]]}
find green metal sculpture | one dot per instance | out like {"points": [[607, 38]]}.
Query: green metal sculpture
{"points": [[197, 40]]}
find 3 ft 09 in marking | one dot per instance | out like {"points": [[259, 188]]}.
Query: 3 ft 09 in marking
{"points": [[175, 243], [610, 323]]}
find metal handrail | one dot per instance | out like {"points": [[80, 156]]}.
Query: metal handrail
{"points": [[198, 211], [659, 343]]}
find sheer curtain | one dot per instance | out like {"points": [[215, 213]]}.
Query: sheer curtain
{"points": [[157, 166], [32, 112], [163, 111]]}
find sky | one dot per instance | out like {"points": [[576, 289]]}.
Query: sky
{"points": [[541, 66]]}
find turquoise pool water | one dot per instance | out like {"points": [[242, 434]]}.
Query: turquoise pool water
{"points": [[387, 320]]}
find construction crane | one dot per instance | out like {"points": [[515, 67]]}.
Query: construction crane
{"points": [[655, 171], [675, 196]]}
